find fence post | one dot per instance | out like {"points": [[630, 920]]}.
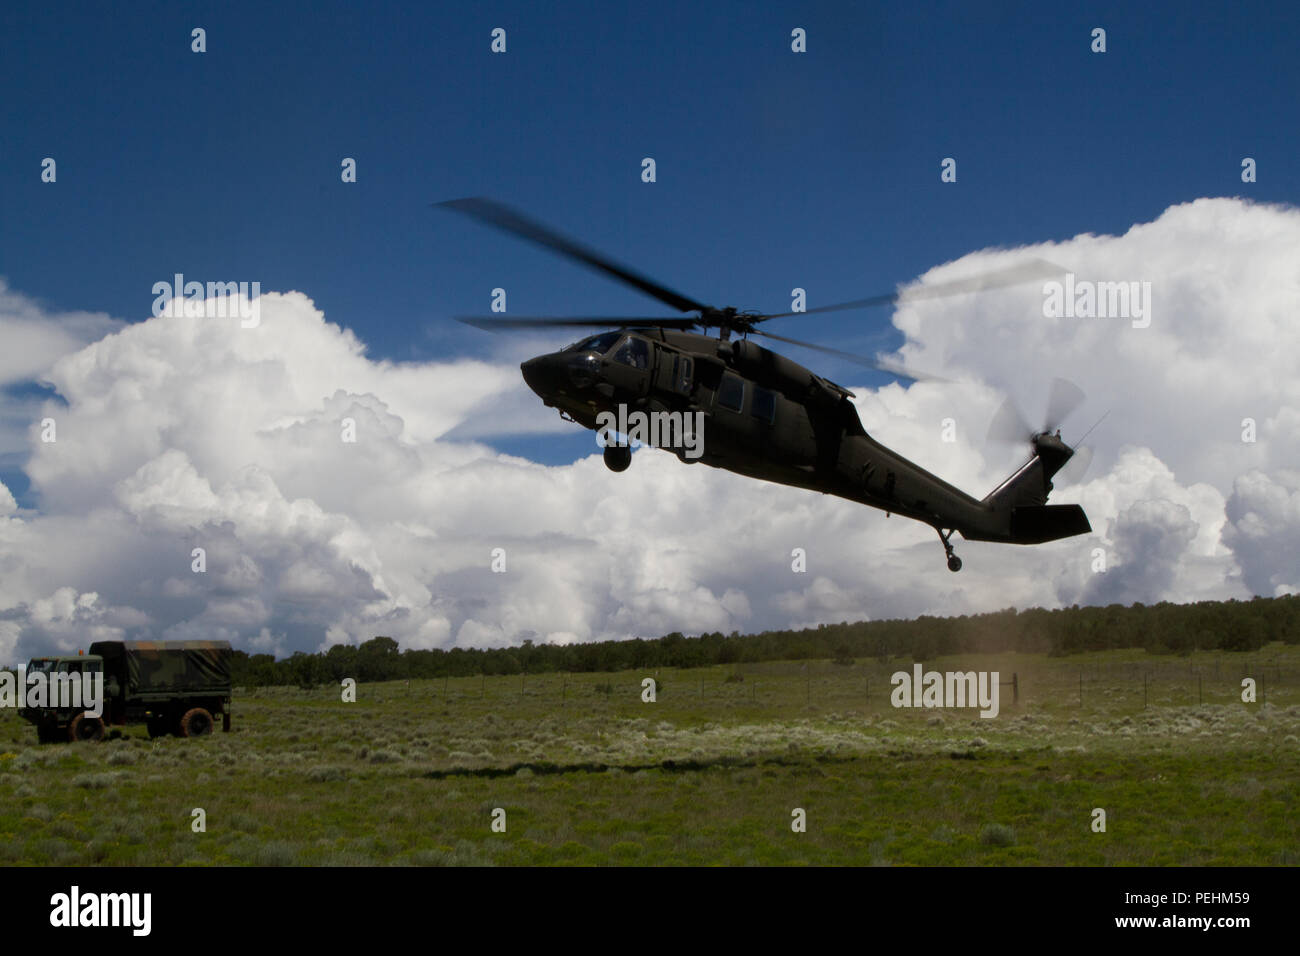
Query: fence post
{"points": [[1015, 687]]}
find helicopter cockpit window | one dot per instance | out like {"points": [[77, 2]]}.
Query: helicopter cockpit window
{"points": [[763, 406], [731, 393], [597, 343], [634, 352]]}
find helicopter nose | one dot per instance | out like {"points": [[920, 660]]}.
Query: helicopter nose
{"points": [[539, 374], [561, 373]]}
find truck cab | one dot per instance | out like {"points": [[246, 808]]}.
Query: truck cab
{"points": [[50, 703]]}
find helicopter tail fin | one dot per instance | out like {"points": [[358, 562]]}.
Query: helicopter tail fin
{"points": [[1024, 495], [1032, 481]]}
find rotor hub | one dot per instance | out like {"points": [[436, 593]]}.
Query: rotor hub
{"points": [[730, 320]]}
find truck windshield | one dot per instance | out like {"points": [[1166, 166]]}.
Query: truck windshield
{"points": [[42, 665]]}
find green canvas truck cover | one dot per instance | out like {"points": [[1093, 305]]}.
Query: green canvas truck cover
{"points": [[156, 666]]}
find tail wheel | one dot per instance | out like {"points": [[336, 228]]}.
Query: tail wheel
{"points": [[85, 727], [196, 723]]}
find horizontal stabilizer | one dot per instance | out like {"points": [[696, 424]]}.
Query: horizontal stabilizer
{"points": [[1034, 524]]}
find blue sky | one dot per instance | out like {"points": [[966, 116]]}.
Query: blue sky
{"points": [[774, 169]]}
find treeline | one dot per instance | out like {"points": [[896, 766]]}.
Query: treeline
{"points": [[1162, 628]]}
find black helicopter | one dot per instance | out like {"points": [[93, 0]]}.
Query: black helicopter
{"points": [[764, 415]]}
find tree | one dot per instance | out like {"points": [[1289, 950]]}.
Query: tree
{"points": [[378, 659]]}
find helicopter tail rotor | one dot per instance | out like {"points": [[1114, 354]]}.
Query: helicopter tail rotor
{"points": [[1009, 424], [1032, 483]]}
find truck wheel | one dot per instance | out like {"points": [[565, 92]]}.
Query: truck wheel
{"points": [[196, 723], [85, 727]]}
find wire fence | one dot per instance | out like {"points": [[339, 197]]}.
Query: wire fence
{"points": [[1024, 681]]}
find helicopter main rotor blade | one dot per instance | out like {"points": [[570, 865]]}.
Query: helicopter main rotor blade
{"points": [[502, 217], [1028, 271], [880, 365], [492, 322]]}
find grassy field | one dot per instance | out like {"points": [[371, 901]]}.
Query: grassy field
{"points": [[710, 773]]}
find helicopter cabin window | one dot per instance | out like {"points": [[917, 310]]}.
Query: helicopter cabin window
{"points": [[731, 393], [634, 352], [597, 343], [763, 406]]}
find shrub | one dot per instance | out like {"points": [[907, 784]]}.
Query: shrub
{"points": [[96, 781], [326, 774], [997, 834]]}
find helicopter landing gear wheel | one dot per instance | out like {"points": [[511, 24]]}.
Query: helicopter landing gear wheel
{"points": [[954, 562], [617, 457]]}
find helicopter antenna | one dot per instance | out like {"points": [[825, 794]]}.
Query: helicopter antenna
{"points": [[1094, 425]]}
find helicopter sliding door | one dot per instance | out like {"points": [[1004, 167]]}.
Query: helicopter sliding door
{"points": [[674, 373]]}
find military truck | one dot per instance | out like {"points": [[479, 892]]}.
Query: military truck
{"points": [[173, 687]]}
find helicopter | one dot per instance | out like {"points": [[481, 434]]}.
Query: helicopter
{"points": [[733, 404]]}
